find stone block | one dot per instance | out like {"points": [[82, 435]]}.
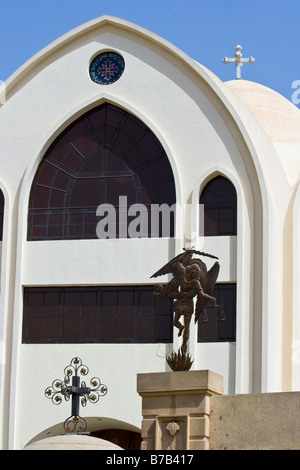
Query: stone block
{"points": [[176, 408]]}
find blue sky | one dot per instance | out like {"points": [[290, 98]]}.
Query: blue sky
{"points": [[206, 30]]}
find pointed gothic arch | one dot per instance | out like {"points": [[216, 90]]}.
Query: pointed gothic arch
{"points": [[105, 154], [218, 192], [219, 199]]}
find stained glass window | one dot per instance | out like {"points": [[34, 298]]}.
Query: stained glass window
{"points": [[106, 68], [105, 154]]}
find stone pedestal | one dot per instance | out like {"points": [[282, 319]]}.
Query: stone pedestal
{"points": [[176, 409]]}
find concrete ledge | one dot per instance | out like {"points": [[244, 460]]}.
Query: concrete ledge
{"points": [[179, 382]]}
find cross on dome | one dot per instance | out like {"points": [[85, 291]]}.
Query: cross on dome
{"points": [[238, 60]]}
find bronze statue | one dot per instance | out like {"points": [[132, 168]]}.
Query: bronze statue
{"points": [[190, 279]]}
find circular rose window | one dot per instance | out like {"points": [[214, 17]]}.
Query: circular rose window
{"points": [[107, 68]]}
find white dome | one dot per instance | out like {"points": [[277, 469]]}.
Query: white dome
{"points": [[72, 442], [279, 117]]}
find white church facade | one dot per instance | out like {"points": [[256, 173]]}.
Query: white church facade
{"points": [[98, 131]]}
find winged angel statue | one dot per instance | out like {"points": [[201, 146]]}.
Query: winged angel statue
{"points": [[190, 279]]}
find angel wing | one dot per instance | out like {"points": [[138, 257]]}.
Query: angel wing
{"points": [[172, 268], [208, 281], [184, 258]]}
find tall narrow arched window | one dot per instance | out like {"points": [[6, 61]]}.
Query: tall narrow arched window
{"points": [[220, 207], [105, 155]]}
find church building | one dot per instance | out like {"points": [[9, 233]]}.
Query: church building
{"points": [[118, 151]]}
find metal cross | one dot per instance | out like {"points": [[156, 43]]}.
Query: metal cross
{"points": [[62, 388], [238, 61]]}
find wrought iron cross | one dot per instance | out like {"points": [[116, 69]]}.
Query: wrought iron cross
{"points": [[75, 390], [238, 61]]}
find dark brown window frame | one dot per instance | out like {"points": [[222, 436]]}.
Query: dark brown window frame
{"points": [[97, 314], [104, 154], [215, 329], [57, 315], [220, 207]]}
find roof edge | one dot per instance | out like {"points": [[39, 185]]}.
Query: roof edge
{"points": [[86, 28]]}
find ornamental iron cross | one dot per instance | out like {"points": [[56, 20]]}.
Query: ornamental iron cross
{"points": [[62, 388], [238, 61]]}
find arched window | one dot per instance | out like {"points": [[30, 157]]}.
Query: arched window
{"points": [[105, 154], [220, 207]]}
